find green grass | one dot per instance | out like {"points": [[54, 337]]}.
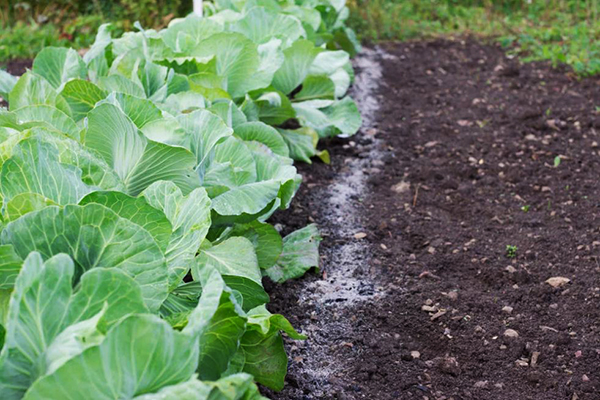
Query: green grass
{"points": [[562, 31], [26, 27], [26, 39]]}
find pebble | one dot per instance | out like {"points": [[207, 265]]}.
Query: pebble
{"points": [[511, 333], [557, 281], [481, 384], [585, 378], [534, 358], [438, 314], [401, 187], [415, 354], [448, 365], [427, 274], [511, 269], [507, 309]]}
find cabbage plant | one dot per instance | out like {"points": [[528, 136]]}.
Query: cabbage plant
{"points": [[137, 182]]}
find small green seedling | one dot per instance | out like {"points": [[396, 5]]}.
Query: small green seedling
{"points": [[511, 251], [556, 161], [525, 208], [483, 123]]}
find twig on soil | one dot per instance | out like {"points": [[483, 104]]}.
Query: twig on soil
{"points": [[416, 195], [427, 274]]}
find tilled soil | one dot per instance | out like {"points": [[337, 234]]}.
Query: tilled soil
{"points": [[459, 162], [17, 67]]}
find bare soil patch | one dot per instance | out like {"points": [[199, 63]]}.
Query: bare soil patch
{"points": [[466, 142], [18, 67]]}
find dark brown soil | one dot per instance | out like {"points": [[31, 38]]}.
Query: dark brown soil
{"points": [[469, 140], [17, 67]]}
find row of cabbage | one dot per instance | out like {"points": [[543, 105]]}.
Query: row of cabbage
{"points": [[136, 182]]}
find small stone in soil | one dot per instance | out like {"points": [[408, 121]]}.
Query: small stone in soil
{"points": [[427, 274], [557, 281], [511, 333], [534, 358], [447, 365], [401, 187], [438, 314]]}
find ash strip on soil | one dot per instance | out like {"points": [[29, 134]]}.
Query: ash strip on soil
{"points": [[470, 140], [343, 216], [334, 198]]}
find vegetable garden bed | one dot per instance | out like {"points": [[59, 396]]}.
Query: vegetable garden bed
{"points": [[468, 140], [151, 205]]}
